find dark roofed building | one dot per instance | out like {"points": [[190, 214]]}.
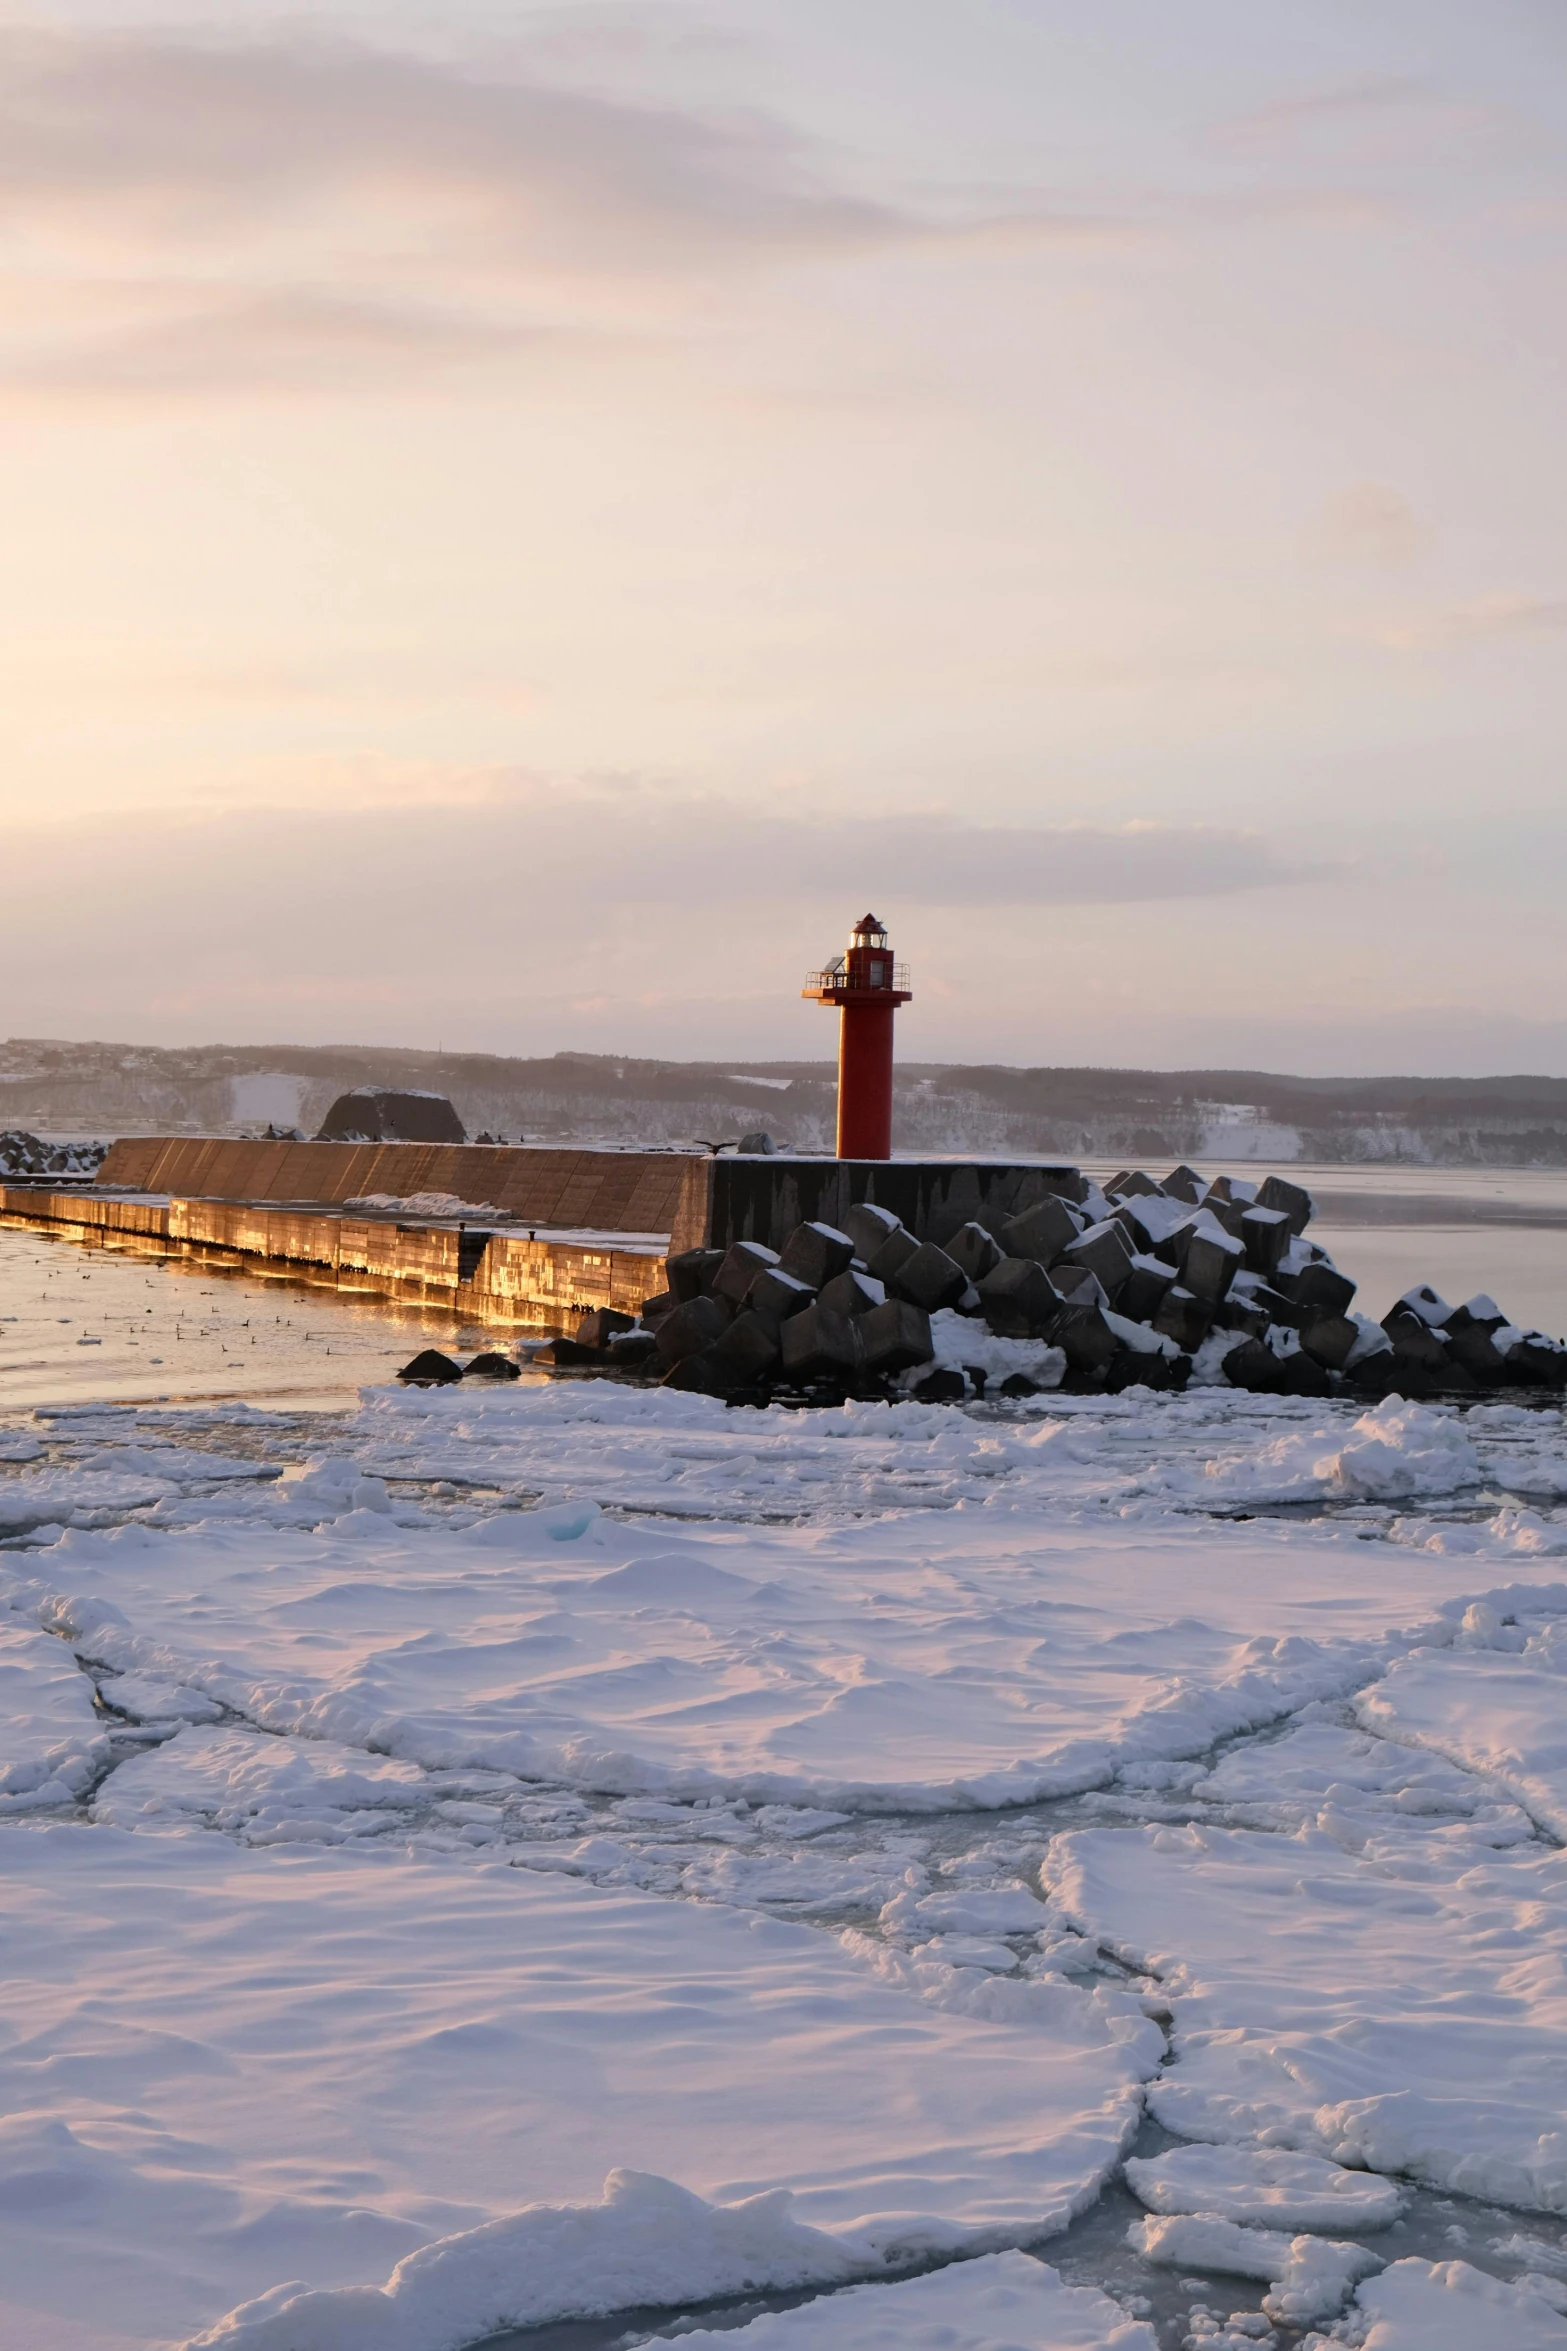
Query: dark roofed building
{"points": [[383, 1114]]}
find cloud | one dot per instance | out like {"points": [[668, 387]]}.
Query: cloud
{"points": [[179, 211], [1401, 120], [199, 138], [1372, 96], [547, 910], [1371, 523], [562, 859], [182, 211], [1491, 620]]}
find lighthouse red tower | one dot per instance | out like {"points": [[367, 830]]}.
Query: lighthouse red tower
{"points": [[868, 987]]}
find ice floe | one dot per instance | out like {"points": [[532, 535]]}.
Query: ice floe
{"points": [[1399, 2007], [305, 2064], [1264, 2187], [1309, 2277], [1448, 2306]]}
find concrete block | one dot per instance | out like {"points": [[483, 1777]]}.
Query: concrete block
{"points": [[1323, 1287], [896, 1250], [430, 1369], [698, 1375], [1133, 1369], [1143, 1293], [1151, 1222], [929, 1279], [941, 1386], [777, 1294], [1019, 1300], [1106, 1252], [691, 1328], [748, 1351], [1074, 1285], [1481, 1314], [972, 1248], [1295, 1202], [565, 1355], [491, 1366], [1042, 1231], [690, 1273], [852, 1292], [819, 1344], [597, 1328], [868, 1226], [759, 1145], [1536, 1362], [655, 1308], [815, 1252], [739, 1269], [1472, 1346], [1281, 1306], [1230, 1215], [1184, 1183], [1422, 1304], [895, 1336], [1254, 1366], [1328, 1339], [1304, 1375], [1184, 1318], [1209, 1258], [1135, 1186], [633, 1351], [1265, 1235], [1417, 1348], [1240, 1312], [1086, 1340]]}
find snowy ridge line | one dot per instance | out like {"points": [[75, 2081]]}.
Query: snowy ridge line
{"points": [[647, 2244], [1285, 1675]]}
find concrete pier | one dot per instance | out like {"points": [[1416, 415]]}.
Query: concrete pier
{"points": [[542, 1282], [571, 1229]]}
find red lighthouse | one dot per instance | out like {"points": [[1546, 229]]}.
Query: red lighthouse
{"points": [[868, 987]]}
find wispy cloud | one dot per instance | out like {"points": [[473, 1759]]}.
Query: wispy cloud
{"points": [[1490, 620], [290, 210], [1371, 522], [1399, 119], [629, 845], [186, 212]]}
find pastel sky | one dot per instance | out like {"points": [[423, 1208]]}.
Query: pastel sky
{"points": [[521, 521]]}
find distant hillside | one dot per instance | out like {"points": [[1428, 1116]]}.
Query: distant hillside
{"points": [[1139, 1115]]}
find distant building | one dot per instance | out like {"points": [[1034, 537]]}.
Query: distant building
{"points": [[382, 1114]]}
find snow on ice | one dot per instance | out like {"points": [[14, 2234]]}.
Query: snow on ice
{"points": [[239, 2068], [573, 1849]]}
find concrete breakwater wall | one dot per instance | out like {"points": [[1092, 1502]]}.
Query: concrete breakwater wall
{"points": [[569, 1191], [540, 1282], [582, 1229], [701, 1202]]}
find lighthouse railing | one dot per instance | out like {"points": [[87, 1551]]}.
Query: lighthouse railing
{"points": [[835, 981]]}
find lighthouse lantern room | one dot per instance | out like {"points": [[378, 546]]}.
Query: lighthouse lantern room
{"points": [[867, 985]]}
